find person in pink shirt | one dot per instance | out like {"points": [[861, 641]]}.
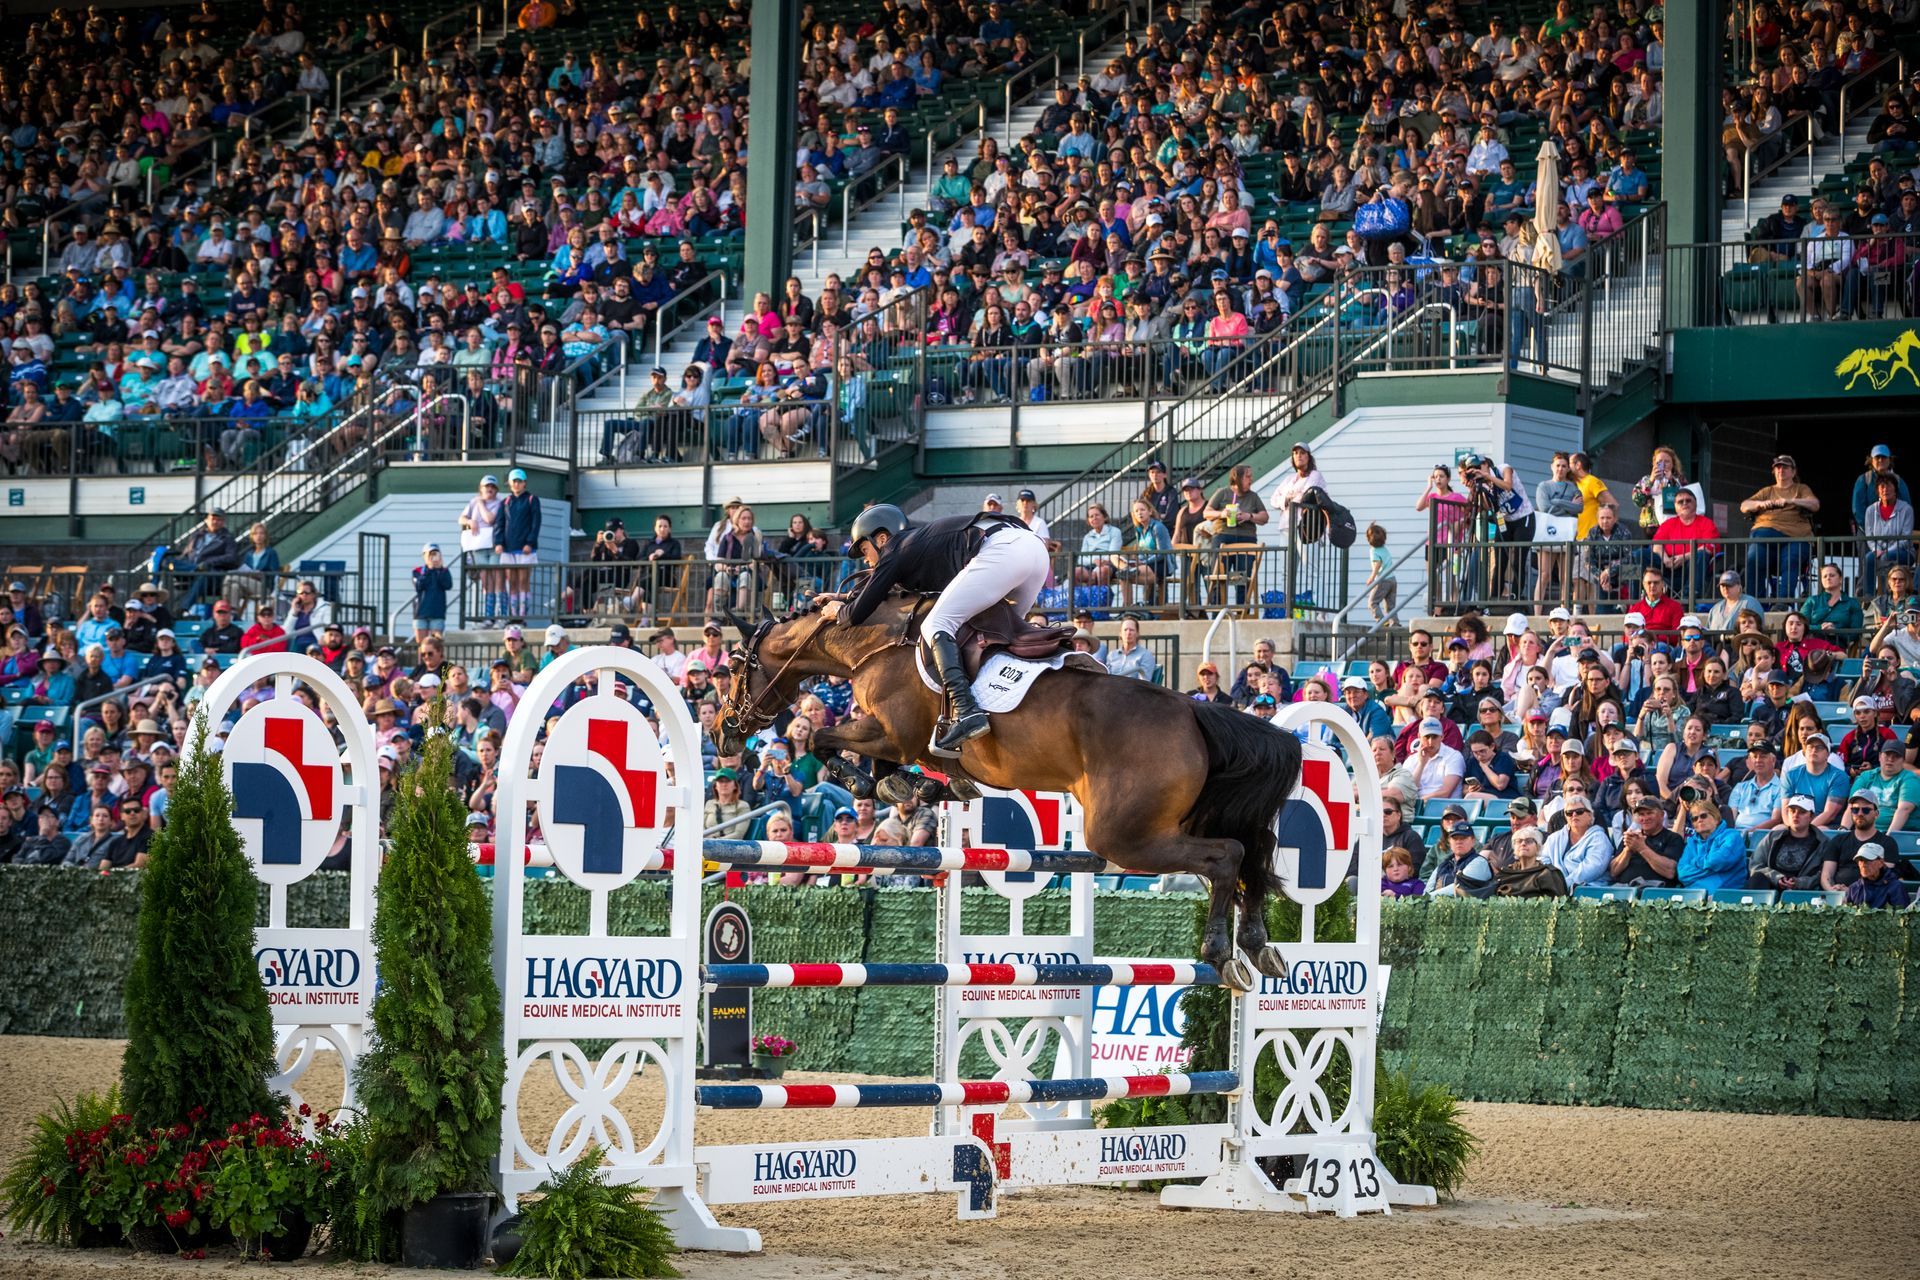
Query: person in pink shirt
{"points": [[1599, 219], [1226, 335]]}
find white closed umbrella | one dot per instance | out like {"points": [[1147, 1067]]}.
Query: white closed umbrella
{"points": [[1546, 201]]}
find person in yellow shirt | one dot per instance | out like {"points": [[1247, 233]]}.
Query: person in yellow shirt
{"points": [[1594, 494]]}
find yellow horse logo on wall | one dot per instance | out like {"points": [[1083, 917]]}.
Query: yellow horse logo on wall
{"points": [[1879, 365]]}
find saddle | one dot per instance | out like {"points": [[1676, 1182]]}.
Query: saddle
{"points": [[1000, 629]]}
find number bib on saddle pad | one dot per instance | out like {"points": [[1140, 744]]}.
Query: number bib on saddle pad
{"points": [[1003, 680]]}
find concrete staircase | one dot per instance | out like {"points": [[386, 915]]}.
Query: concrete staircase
{"points": [[1830, 156]]}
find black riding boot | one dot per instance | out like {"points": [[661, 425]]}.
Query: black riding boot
{"points": [[969, 721]]}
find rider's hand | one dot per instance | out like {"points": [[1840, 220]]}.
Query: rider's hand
{"points": [[831, 610]]}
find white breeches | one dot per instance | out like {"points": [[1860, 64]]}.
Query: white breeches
{"points": [[1011, 564]]}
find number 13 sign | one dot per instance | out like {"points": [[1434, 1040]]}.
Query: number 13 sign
{"points": [[1344, 1177]]}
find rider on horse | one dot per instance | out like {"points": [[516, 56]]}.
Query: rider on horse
{"points": [[973, 561]]}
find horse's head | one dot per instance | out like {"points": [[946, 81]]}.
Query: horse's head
{"points": [[750, 705]]}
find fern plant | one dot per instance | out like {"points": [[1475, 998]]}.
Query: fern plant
{"points": [[1419, 1133], [582, 1226], [43, 1195]]}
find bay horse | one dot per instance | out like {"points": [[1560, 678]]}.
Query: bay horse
{"points": [[1166, 784]]}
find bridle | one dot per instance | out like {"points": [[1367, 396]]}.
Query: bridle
{"points": [[742, 713]]}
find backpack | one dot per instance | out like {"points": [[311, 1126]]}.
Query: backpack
{"points": [[1339, 524]]}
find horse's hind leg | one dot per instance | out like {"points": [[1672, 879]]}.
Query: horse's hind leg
{"points": [[1217, 861]]}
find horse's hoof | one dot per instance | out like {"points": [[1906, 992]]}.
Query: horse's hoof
{"points": [[929, 791], [859, 784], [1236, 974], [1268, 961], [963, 788], [895, 788]]}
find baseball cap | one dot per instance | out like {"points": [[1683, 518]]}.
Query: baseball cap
{"points": [[1865, 704], [1572, 747], [1892, 747], [728, 774], [517, 474], [431, 546], [1026, 495], [492, 480], [1777, 677], [995, 499], [843, 812], [1560, 614], [1354, 682], [513, 633], [1820, 738], [1635, 619], [1627, 744], [1463, 831], [1431, 726], [555, 634], [1871, 851], [1647, 800], [1880, 451], [476, 819], [1802, 802], [1191, 482], [1520, 804], [1207, 666], [1516, 625], [1763, 748], [1729, 579], [1453, 811]]}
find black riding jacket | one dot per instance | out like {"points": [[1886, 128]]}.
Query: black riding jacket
{"points": [[925, 559]]}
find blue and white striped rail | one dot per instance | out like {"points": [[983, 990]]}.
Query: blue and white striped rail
{"points": [[1174, 973], [855, 857], [960, 1093]]}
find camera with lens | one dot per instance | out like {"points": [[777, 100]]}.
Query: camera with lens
{"points": [[1691, 792]]}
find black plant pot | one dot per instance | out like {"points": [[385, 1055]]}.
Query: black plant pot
{"points": [[507, 1241], [291, 1241], [449, 1231], [157, 1237], [88, 1236]]}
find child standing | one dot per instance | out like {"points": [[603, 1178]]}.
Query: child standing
{"points": [[432, 580], [1382, 591]]}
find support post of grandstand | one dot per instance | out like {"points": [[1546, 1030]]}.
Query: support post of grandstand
{"points": [[291, 792], [1327, 1002], [771, 133]]}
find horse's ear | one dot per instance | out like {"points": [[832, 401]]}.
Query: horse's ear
{"points": [[726, 611]]}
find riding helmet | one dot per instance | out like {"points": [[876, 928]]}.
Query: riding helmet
{"points": [[882, 515]]}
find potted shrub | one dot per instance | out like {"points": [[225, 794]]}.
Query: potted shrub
{"points": [[429, 1086], [771, 1054], [199, 1030]]}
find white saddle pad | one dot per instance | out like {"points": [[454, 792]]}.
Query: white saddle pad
{"points": [[1003, 680]]}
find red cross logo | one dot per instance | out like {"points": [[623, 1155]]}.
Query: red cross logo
{"points": [[608, 740], [983, 1129], [1318, 775], [286, 737]]}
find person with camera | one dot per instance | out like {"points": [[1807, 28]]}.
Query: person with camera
{"points": [[1902, 632], [1496, 486], [775, 778]]}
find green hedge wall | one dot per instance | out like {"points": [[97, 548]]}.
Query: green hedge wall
{"points": [[1735, 1009]]}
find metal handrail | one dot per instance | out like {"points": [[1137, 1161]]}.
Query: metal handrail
{"points": [[1419, 548], [661, 331], [1147, 442], [1006, 120], [848, 208], [258, 646]]}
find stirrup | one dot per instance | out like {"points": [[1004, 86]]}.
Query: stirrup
{"points": [[962, 730]]}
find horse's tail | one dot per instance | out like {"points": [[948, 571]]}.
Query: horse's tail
{"points": [[1251, 770]]}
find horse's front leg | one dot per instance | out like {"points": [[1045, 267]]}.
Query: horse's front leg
{"points": [[864, 738]]}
